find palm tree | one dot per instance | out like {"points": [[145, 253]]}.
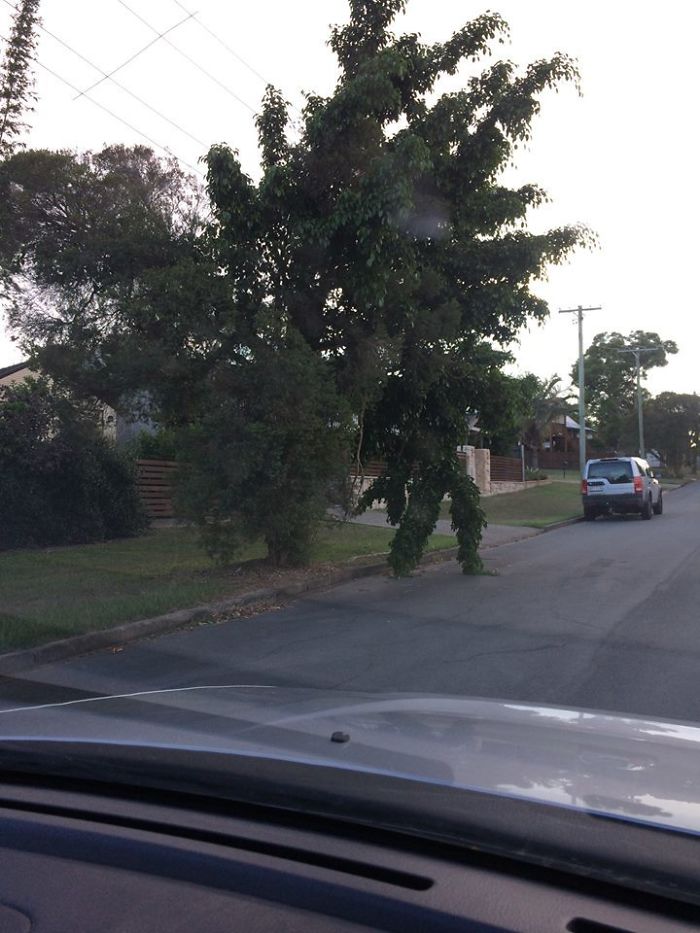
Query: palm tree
{"points": [[544, 401]]}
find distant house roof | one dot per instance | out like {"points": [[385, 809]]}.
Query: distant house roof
{"points": [[11, 370], [574, 425], [570, 423]]}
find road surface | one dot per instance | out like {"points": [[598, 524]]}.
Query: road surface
{"points": [[603, 615]]}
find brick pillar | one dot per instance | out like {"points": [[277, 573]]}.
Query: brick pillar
{"points": [[482, 470]]}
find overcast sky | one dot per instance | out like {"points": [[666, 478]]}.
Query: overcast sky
{"points": [[621, 159]]}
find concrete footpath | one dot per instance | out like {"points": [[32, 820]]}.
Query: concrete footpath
{"points": [[493, 536]]}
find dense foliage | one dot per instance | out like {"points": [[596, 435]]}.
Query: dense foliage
{"points": [[543, 401], [61, 482], [384, 240], [16, 78], [672, 427], [351, 305], [611, 383], [99, 255]]}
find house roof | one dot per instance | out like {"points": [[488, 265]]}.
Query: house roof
{"points": [[15, 368], [574, 425], [570, 423]]}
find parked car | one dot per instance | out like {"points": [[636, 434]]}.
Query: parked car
{"points": [[620, 485]]}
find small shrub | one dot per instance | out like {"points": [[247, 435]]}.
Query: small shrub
{"points": [[162, 445], [531, 474]]}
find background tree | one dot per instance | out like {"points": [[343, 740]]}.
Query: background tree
{"points": [[672, 427], [611, 385], [103, 273], [16, 79]]}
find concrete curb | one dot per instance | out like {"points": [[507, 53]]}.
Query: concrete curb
{"points": [[564, 524], [16, 661]]}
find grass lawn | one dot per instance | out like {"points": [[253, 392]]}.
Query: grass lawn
{"points": [[535, 507], [54, 593]]}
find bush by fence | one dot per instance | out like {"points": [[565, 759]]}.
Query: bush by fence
{"points": [[61, 482]]}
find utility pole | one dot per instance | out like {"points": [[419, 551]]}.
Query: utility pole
{"points": [[636, 352], [581, 386]]}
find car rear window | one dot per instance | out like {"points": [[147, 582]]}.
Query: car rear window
{"points": [[614, 471]]}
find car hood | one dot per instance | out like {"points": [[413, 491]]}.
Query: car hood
{"points": [[636, 769]]}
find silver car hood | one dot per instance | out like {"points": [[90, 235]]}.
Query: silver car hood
{"points": [[636, 769]]}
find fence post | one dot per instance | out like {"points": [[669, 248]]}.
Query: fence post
{"points": [[470, 466]]}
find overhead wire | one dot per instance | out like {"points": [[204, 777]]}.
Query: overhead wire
{"points": [[189, 58], [159, 36], [118, 84], [198, 20], [114, 115], [221, 42]]}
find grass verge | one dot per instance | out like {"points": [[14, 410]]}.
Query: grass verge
{"points": [[536, 507], [58, 592]]}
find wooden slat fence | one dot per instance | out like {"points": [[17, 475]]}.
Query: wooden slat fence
{"points": [[370, 469], [506, 470], [558, 460], [154, 481]]}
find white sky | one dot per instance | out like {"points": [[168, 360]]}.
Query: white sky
{"points": [[622, 159]]}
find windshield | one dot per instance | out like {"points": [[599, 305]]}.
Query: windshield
{"points": [[614, 471], [307, 334]]}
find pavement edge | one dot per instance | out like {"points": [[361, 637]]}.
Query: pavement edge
{"points": [[16, 661]]}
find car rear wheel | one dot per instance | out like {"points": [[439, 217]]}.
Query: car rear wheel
{"points": [[647, 510], [659, 507]]}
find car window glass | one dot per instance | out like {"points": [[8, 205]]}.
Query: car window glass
{"points": [[614, 471]]}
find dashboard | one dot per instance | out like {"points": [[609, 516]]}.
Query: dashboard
{"points": [[82, 856]]}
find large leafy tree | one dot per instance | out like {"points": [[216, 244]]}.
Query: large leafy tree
{"points": [[611, 382], [386, 241], [16, 79], [102, 271], [672, 426]]}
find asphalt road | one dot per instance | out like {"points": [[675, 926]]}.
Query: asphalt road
{"points": [[603, 615]]}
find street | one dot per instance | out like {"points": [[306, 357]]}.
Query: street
{"points": [[602, 615]]}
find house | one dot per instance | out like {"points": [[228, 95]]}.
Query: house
{"points": [[17, 372], [561, 435], [114, 426]]}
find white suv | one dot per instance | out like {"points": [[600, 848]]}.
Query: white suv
{"points": [[622, 485]]}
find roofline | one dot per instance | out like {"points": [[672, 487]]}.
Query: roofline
{"points": [[15, 368]]}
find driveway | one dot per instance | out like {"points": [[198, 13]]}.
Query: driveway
{"points": [[603, 615]]}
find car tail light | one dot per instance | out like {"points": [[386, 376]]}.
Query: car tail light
{"points": [[638, 484], [584, 487]]}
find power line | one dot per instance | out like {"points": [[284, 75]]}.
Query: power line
{"points": [[159, 36], [191, 60], [221, 42], [114, 116], [230, 50], [118, 84]]}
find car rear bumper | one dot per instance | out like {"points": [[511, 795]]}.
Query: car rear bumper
{"points": [[625, 502]]}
